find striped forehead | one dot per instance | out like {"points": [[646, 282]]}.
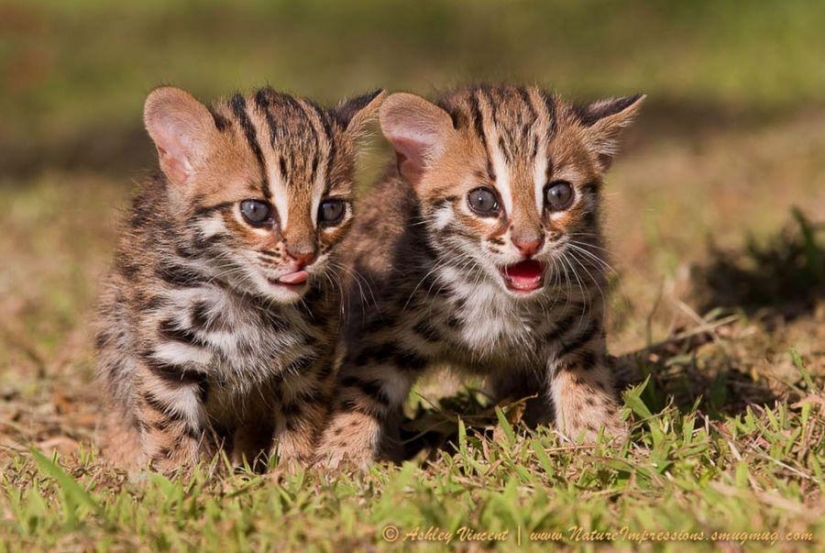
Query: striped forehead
{"points": [[514, 126], [510, 119], [293, 141]]}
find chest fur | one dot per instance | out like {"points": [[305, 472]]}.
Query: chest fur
{"points": [[480, 325], [238, 342]]}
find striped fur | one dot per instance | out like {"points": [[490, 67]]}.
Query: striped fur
{"points": [[431, 290], [201, 347]]}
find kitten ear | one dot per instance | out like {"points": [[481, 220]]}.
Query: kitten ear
{"points": [[417, 130], [355, 113], [604, 121], [182, 129]]}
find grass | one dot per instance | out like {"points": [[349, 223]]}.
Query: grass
{"points": [[714, 217], [753, 479]]}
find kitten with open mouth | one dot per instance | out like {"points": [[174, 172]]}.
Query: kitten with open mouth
{"points": [[481, 250]]}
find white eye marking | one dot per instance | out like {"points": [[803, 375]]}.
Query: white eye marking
{"points": [[442, 217], [502, 183], [280, 200], [540, 175], [280, 196], [212, 226]]}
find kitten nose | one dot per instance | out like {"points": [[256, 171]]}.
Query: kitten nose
{"points": [[528, 247], [302, 257]]}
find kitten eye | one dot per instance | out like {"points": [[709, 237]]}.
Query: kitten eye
{"points": [[331, 211], [256, 212], [558, 195], [483, 201]]}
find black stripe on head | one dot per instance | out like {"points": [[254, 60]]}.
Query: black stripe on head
{"points": [[314, 166], [491, 96], [238, 105], [478, 122], [326, 124], [478, 125], [529, 124], [525, 97], [263, 100], [283, 168], [550, 104], [221, 122], [459, 119], [549, 170]]}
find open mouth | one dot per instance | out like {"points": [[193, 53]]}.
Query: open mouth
{"points": [[525, 276], [291, 280]]}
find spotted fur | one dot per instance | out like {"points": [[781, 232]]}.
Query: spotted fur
{"points": [[201, 346], [430, 289]]}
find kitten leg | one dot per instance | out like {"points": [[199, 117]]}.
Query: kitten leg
{"points": [[121, 439], [582, 389], [171, 416], [301, 411], [370, 400], [529, 386]]}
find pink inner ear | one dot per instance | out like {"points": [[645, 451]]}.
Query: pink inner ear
{"points": [[173, 167], [411, 157], [174, 156]]}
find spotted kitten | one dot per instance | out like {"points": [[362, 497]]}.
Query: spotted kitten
{"points": [[219, 319], [483, 252]]}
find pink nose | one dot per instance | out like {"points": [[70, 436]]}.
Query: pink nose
{"points": [[302, 258], [528, 247]]}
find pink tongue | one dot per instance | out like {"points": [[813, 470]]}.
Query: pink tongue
{"points": [[294, 278], [525, 275]]}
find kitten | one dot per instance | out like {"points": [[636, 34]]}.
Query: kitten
{"points": [[481, 251], [218, 322]]}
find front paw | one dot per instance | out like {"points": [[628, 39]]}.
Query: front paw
{"points": [[351, 440], [293, 452], [587, 430]]}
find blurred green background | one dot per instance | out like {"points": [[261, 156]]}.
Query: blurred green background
{"points": [[73, 75], [732, 135]]}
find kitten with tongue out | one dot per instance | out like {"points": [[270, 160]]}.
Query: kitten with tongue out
{"points": [[482, 251]]}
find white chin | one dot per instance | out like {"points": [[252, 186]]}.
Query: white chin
{"points": [[281, 293], [286, 295]]}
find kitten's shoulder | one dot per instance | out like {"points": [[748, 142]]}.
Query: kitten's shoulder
{"points": [[385, 221]]}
